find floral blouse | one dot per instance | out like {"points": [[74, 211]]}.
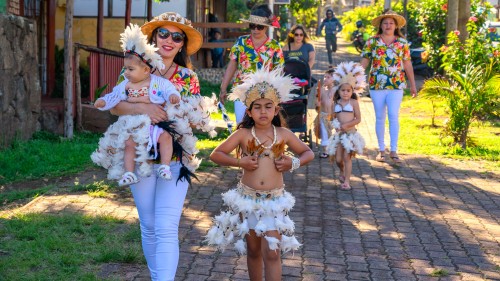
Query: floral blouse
{"points": [[249, 59], [386, 71]]}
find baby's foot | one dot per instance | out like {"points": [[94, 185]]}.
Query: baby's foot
{"points": [[164, 172], [127, 179]]}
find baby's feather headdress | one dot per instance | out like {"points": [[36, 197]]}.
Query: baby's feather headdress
{"points": [[351, 73], [136, 43], [263, 83]]}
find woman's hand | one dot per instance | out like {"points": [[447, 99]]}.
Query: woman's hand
{"points": [[222, 96], [156, 113], [413, 91], [249, 163], [283, 164]]}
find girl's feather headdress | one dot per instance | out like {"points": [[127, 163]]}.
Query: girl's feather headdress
{"points": [[351, 73], [264, 83], [136, 43]]}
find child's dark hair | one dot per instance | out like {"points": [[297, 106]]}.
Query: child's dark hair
{"points": [[261, 11], [336, 96], [137, 59], [248, 122], [330, 71]]}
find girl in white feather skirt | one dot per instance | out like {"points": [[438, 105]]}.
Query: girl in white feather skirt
{"points": [[346, 141], [257, 220]]}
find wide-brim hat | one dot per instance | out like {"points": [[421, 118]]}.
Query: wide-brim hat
{"points": [[194, 37], [258, 20], [400, 20]]}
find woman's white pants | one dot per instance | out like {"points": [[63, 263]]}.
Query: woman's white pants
{"points": [[159, 203], [387, 102]]}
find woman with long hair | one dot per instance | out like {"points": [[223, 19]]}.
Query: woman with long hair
{"points": [[298, 46]]}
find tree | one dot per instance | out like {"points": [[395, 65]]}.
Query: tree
{"points": [[452, 16], [68, 71], [463, 18]]}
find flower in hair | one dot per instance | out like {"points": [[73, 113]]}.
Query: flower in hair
{"points": [[275, 21]]}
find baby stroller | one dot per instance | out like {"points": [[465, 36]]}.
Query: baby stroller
{"points": [[295, 111]]}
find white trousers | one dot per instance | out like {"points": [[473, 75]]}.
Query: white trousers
{"points": [[159, 203], [239, 111], [323, 134], [387, 102]]}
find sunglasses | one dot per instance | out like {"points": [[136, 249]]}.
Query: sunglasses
{"points": [[254, 26], [177, 37], [298, 34]]}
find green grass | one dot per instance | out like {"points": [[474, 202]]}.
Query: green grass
{"points": [[65, 247], [419, 136], [16, 195], [439, 273], [46, 155]]}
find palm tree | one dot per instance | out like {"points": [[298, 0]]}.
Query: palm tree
{"points": [[468, 94]]}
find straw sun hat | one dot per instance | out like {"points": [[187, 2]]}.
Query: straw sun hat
{"points": [[258, 20], [400, 20], [194, 37]]}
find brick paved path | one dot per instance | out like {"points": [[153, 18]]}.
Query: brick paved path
{"points": [[398, 223]]}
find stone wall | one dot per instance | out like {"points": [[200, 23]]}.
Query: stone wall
{"points": [[20, 92], [213, 75]]}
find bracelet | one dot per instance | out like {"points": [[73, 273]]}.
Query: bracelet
{"points": [[295, 164]]}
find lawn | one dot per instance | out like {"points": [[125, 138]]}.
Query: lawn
{"points": [[418, 135]]}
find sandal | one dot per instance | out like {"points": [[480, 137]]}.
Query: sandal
{"points": [[345, 186], [396, 159], [127, 179], [323, 155], [164, 172], [380, 157]]}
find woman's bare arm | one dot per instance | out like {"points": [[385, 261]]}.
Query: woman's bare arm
{"points": [[312, 57], [232, 66], [154, 111]]}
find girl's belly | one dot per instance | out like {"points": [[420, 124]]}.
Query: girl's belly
{"points": [[265, 177]]}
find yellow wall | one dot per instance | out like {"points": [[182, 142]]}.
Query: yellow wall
{"points": [[85, 31]]}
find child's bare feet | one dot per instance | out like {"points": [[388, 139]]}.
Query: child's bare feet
{"points": [[345, 186], [127, 179], [164, 172]]}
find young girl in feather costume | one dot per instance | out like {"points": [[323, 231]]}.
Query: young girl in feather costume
{"points": [[257, 220], [349, 81]]}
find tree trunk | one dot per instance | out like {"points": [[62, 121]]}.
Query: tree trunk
{"points": [[405, 14], [463, 17], [452, 17], [78, 90], [68, 71]]}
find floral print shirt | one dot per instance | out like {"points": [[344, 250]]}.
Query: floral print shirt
{"points": [[185, 81], [386, 72], [249, 59]]}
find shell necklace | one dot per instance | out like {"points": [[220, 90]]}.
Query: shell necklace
{"points": [[163, 75], [258, 141]]}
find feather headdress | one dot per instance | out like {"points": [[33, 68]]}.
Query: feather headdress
{"points": [[136, 43], [351, 73], [263, 83]]}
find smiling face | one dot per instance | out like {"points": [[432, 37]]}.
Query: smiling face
{"points": [[167, 40], [298, 35], [263, 111]]}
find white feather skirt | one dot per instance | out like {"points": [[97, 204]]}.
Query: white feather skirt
{"points": [[352, 141], [258, 210], [110, 151]]}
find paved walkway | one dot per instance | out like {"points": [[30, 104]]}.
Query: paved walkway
{"points": [[399, 222]]}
